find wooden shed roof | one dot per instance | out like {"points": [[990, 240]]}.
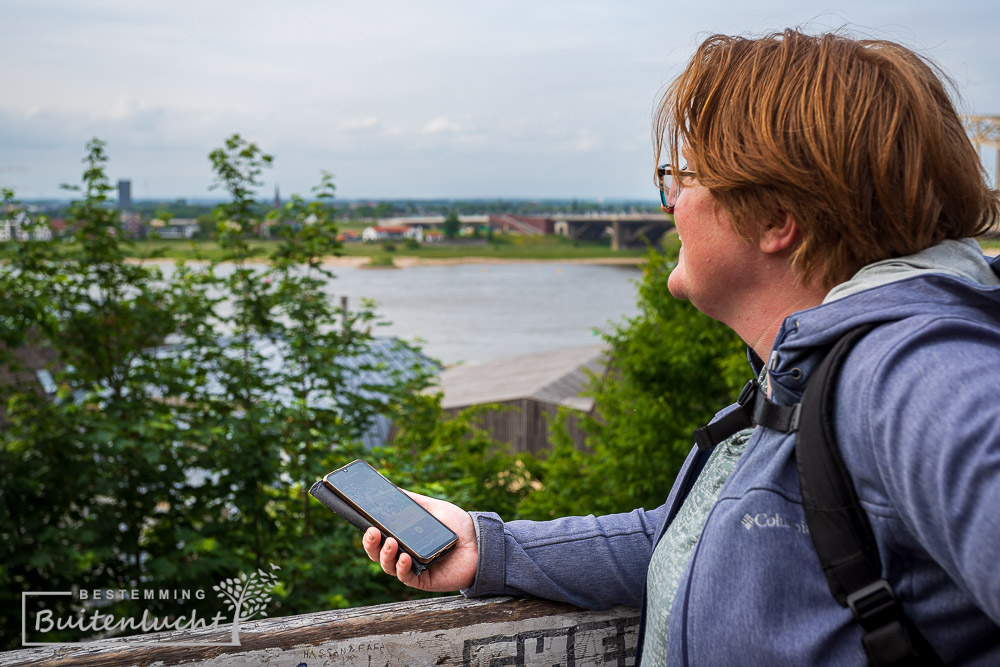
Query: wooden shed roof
{"points": [[555, 377]]}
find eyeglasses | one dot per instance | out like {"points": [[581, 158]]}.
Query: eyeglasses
{"points": [[670, 185]]}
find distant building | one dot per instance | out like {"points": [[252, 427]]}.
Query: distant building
{"points": [[132, 225], [427, 222], [20, 227], [124, 195], [177, 228], [58, 226], [386, 233]]}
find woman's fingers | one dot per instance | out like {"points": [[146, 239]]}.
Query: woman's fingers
{"points": [[371, 542], [387, 556], [404, 570]]}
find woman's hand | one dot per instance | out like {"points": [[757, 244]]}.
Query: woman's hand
{"points": [[450, 572]]}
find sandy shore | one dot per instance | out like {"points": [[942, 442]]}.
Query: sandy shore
{"points": [[405, 261]]}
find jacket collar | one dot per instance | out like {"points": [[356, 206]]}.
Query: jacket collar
{"points": [[805, 336]]}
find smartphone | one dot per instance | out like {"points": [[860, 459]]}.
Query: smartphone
{"points": [[390, 510]]}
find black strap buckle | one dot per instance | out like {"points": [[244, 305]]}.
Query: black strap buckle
{"points": [[709, 436], [784, 418], [874, 605], [748, 393]]}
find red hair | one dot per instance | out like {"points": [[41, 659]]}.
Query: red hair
{"points": [[857, 140]]}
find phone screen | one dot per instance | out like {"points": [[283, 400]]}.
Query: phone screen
{"points": [[373, 495]]}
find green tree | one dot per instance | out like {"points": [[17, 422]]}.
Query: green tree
{"points": [[84, 473], [451, 225], [670, 369], [363, 212], [163, 214], [177, 451]]}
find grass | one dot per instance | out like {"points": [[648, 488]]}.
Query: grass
{"points": [[503, 247], [381, 260]]}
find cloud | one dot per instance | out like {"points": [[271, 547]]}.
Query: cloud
{"points": [[585, 141], [443, 125], [527, 87], [361, 124]]}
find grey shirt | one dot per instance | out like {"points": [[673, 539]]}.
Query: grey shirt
{"points": [[673, 552]]}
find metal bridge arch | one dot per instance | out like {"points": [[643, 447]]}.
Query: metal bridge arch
{"points": [[985, 131]]}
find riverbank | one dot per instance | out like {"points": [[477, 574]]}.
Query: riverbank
{"points": [[407, 261], [501, 248]]}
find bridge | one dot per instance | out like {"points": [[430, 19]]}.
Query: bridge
{"points": [[627, 230], [985, 131]]}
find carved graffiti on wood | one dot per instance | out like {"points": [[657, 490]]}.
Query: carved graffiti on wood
{"points": [[609, 642]]}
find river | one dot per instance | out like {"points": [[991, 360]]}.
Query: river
{"points": [[479, 312]]}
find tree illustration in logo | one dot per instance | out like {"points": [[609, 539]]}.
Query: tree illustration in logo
{"points": [[247, 596]]}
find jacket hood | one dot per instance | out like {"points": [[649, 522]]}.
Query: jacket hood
{"points": [[962, 259], [952, 276]]}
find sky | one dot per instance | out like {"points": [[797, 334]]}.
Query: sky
{"points": [[422, 99]]}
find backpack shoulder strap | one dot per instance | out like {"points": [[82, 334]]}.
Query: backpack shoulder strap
{"points": [[752, 408], [840, 529]]}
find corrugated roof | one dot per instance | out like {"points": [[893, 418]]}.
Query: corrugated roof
{"points": [[555, 377]]}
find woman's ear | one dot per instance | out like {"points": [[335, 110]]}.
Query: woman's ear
{"points": [[781, 235]]}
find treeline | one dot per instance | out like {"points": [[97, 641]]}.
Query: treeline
{"points": [[167, 449], [362, 211]]}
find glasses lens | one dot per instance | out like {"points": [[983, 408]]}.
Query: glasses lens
{"points": [[668, 185], [663, 181]]}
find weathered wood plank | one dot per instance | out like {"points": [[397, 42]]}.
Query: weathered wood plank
{"points": [[440, 631]]}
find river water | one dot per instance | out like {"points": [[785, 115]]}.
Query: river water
{"points": [[480, 312]]}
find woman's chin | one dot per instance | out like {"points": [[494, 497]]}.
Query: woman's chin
{"points": [[676, 280]]}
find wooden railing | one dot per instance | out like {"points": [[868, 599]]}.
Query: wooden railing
{"points": [[441, 631]]}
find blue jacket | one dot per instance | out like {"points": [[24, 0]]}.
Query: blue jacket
{"points": [[918, 425]]}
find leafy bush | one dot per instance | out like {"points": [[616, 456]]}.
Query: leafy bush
{"points": [[381, 261]]}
